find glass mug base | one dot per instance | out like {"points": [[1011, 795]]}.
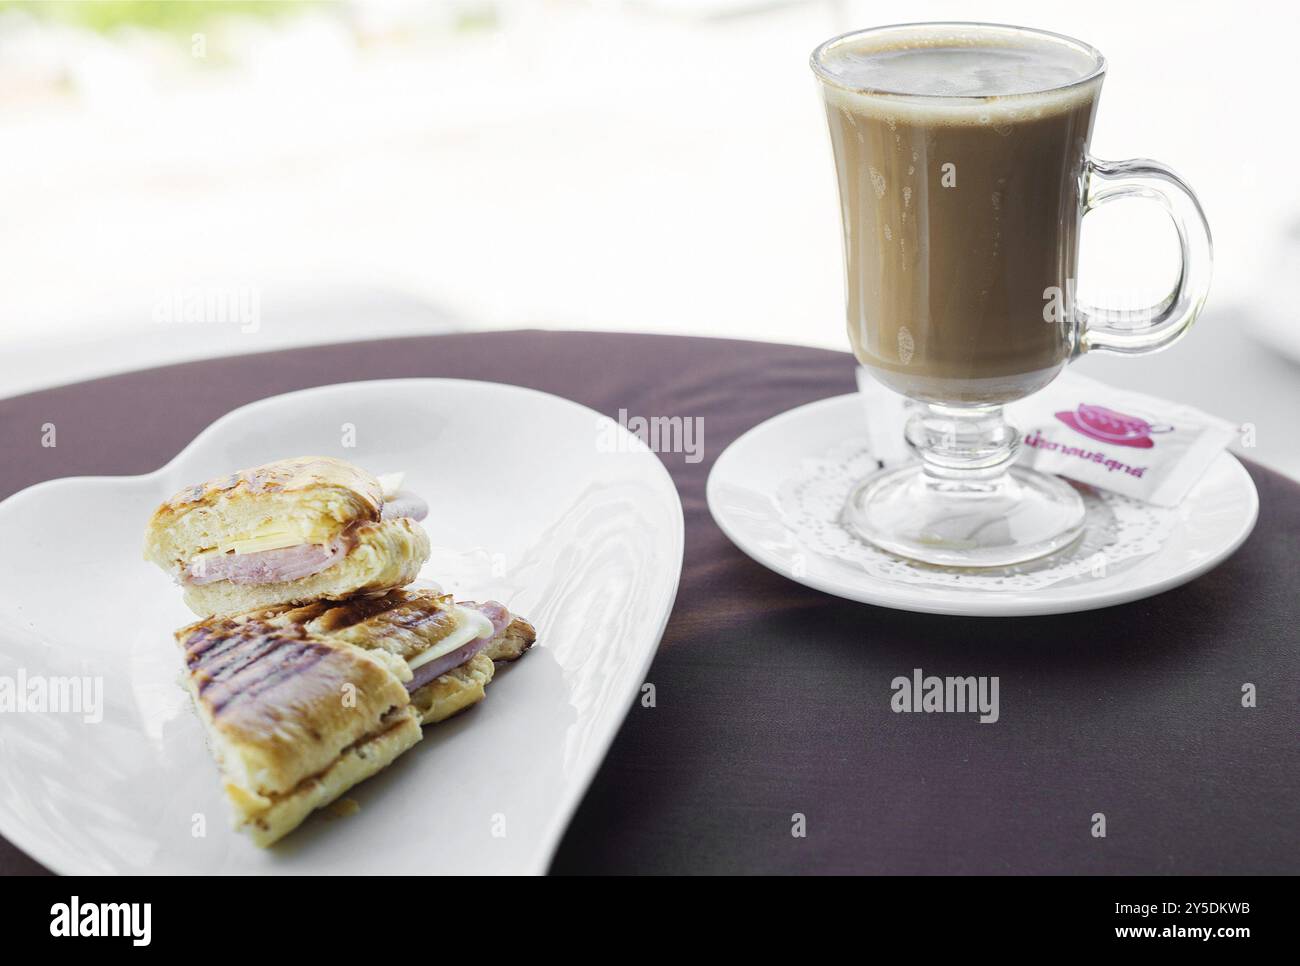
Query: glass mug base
{"points": [[1019, 515]]}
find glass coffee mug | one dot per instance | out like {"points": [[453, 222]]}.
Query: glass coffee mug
{"points": [[962, 156]]}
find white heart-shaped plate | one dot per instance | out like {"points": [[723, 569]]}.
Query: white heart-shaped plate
{"points": [[535, 501]]}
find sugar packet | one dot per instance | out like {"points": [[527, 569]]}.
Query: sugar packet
{"points": [[1116, 439]]}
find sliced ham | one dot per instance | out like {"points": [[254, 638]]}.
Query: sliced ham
{"points": [[292, 563], [494, 612], [439, 666], [497, 613], [267, 566]]}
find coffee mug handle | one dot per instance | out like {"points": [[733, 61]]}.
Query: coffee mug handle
{"points": [[1128, 331]]}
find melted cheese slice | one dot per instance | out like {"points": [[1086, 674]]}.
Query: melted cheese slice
{"points": [[470, 624], [277, 536]]}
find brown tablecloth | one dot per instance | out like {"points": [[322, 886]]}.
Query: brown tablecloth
{"points": [[773, 699]]}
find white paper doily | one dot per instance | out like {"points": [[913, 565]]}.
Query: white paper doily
{"points": [[1117, 529]]}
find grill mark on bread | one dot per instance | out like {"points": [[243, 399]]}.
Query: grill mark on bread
{"points": [[238, 663], [202, 638], [231, 657], [272, 478], [216, 642], [311, 655], [353, 612], [401, 622], [245, 652], [397, 608], [413, 616], [233, 693]]}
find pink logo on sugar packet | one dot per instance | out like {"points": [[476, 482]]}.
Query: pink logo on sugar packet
{"points": [[1108, 426]]}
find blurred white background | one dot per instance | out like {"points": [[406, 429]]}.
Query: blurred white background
{"points": [[352, 170]]}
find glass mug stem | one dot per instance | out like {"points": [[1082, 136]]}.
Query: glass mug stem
{"points": [[963, 445]]}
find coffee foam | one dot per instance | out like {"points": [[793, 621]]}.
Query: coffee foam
{"points": [[976, 75]]}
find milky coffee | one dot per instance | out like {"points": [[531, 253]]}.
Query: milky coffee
{"points": [[959, 161]]}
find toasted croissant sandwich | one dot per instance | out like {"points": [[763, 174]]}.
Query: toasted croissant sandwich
{"points": [[291, 531], [300, 704]]}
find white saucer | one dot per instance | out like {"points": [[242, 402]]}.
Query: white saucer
{"points": [[743, 486]]}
